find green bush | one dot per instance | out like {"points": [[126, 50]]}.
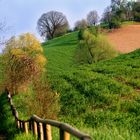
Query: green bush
{"points": [[94, 48], [80, 34], [137, 16], [114, 23]]}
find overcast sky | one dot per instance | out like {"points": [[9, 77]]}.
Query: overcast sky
{"points": [[22, 15]]}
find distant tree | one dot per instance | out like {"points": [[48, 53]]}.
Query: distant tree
{"points": [[92, 18], [23, 61], [81, 24], [52, 24], [115, 4], [2, 30], [129, 11], [107, 15], [122, 9], [136, 11]]}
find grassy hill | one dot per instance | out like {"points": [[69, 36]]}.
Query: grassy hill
{"points": [[103, 99], [60, 52]]}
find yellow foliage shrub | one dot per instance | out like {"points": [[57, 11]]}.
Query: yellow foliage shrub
{"points": [[23, 60]]}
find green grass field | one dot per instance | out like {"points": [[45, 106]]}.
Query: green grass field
{"points": [[102, 99], [60, 53], [98, 97]]}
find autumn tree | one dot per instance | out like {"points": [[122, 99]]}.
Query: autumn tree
{"points": [[52, 24], [23, 61], [92, 18]]}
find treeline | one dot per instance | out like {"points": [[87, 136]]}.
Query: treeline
{"points": [[120, 11], [53, 24]]}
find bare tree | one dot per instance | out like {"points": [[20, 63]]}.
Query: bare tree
{"points": [[52, 24], [81, 24], [92, 18], [2, 30], [107, 15], [116, 4]]}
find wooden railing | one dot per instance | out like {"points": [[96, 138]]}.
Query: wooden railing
{"points": [[42, 128]]}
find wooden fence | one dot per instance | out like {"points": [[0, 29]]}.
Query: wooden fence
{"points": [[42, 128]]}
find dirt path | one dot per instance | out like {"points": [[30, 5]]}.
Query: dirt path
{"points": [[126, 39]]}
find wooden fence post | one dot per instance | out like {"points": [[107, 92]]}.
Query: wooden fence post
{"points": [[26, 127], [38, 130], [35, 128], [41, 131], [64, 135], [48, 132], [30, 125], [18, 123]]}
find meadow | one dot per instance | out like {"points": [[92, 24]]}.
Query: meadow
{"points": [[101, 99]]}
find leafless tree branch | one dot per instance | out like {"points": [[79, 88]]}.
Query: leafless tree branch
{"points": [[52, 24]]}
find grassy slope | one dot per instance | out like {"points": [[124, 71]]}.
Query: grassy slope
{"points": [[104, 95], [60, 53], [101, 99]]}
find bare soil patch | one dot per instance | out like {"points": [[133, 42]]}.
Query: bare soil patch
{"points": [[126, 39]]}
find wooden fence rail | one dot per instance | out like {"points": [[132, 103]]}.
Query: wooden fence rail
{"points": [[42, 128]]}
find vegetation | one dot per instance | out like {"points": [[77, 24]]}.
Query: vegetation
{"points": [[3, 28], [8, 126], [120, 11], [52, 24], [102, 97], [23, 61], [92, 18], [96, 98], [81, 24], [93, 48], [22, 71], [136, 10]]}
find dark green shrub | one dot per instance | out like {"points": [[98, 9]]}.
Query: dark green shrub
{"points": [[114, 23], [136, 10], [137, 16], [80, 34]]}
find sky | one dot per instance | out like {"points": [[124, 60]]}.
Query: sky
{"points": [[21, 15]]}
